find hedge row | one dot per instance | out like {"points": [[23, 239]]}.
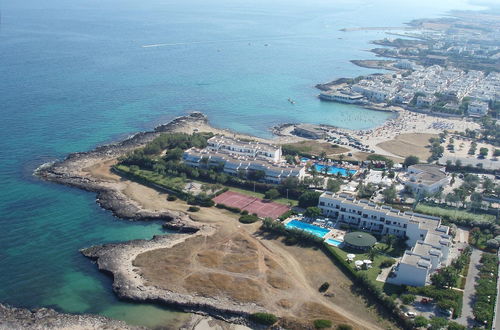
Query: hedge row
{"points": [[229, 208]]}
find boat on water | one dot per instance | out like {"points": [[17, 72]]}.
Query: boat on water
{"points": [[291, 101]]}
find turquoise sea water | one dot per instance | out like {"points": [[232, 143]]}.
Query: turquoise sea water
{"points": [[75, 74]]}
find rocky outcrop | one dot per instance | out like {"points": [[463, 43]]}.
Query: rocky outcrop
{"points": [[69, 171], [117, 261], [46, 318]]}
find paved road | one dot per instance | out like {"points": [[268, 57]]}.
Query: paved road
{"points": [[467, 318]]}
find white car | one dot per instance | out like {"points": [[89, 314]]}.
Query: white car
{"points": [[411, 314]]}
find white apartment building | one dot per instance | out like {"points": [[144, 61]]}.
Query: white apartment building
{"points": [[425, 178], [428, 240], [234, 157], [265, 151], [477, 109]]}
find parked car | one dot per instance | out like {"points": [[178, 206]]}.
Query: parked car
{"points": [[425, 301], [446, 312], [411, 315]]}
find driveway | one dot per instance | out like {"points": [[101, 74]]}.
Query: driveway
{"points": [[467, 318]]}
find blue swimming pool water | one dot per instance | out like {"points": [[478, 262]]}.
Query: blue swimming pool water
{"points": [[334, 170], [315, 230], [333, 242]]}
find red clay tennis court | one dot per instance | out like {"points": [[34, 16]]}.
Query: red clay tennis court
{"points": [[251, 204]]}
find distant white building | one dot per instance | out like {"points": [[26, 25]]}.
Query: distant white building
{"points": [[428, 239], [425, 178], [425, 101], [265, 151], [477, 109]]}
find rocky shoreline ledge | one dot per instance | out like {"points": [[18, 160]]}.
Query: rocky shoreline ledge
{"points": [[46, 318], [117, 261], [69, 172]]}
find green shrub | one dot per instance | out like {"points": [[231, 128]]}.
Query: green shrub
{"points": [[171, 198], [407, 298], [322, 324], [193, 209], [229, 208], [249, 218], [244, 212], [344, 327], [387, 263], [263, 318], [420, 321], [324, 287]]}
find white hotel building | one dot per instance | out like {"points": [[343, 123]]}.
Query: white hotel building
{"points": [[428, 240], [235, 156]]}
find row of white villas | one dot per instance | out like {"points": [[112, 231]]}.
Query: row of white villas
{"points": [[428, 239], [235, 156]]}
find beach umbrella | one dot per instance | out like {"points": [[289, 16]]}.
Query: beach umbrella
{"points": [[351, 256], [358, 263], [368, 262]]}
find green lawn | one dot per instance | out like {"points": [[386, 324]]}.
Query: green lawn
{"points": [[373, 272], [153, 177], [453, 214]]}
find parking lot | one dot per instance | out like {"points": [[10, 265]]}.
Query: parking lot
{"points": [[427, 310]]}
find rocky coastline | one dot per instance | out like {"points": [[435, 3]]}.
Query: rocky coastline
{"points": [[117, 261], [69, 172], [47, 318]]}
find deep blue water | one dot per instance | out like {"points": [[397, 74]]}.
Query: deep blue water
{"points": [[75, 74]]}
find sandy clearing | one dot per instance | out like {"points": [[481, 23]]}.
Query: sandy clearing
{"points": [[409, 144]]}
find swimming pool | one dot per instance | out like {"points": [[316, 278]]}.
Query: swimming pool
{"points": [[333, 170], [315, 230], [334, 242]]}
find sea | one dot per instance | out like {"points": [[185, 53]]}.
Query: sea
{"points": [[78, 74]]}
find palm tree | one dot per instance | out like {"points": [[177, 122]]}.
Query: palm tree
{"points": [[391, 239], [372, 253], [341, 157], [476, 235], [325, 169], [322, 155]]}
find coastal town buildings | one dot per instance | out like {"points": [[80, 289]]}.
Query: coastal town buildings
{"points": [[236, 157], [435, 88], [424, 178], [428, 240]]}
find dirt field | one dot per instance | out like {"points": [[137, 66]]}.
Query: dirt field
{"points": [[409, 144], [237, 264]]}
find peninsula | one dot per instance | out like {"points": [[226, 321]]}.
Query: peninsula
{"points": [[250, 274]]}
